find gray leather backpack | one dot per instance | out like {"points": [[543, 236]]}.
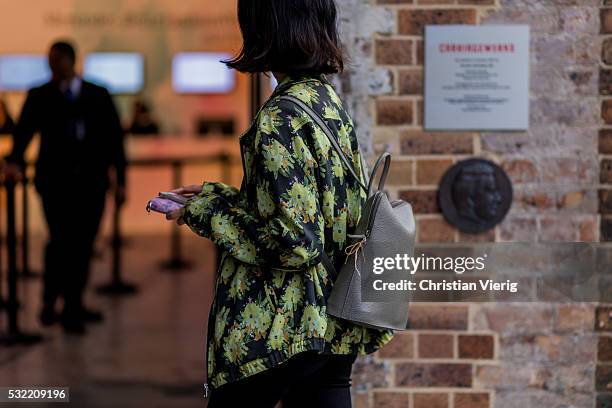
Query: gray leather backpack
{"points": [[386, 229]]}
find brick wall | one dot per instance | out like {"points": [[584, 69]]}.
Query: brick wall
{"points": [[477, 356], [605, 134], [493, 355], [554, 166], [603, 323], [603, 374]]}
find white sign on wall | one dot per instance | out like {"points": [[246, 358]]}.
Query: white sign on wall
{"points": [[476, 77]]}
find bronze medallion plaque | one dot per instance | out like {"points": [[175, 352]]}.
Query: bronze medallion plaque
{"points": [[475, 195]]}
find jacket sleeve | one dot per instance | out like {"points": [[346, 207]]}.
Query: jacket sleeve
{"points": [[25, 128], [282, 227], [229, 193]]}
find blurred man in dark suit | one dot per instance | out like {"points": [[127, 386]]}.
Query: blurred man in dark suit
{"points": [[6, 122], [81, 138]]}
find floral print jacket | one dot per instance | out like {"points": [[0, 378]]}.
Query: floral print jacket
{"points": [[296, 201]]}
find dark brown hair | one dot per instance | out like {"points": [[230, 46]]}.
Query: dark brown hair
{"points": [[288, 36]]}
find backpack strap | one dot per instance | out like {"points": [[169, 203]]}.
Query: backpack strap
{"points": [[385, 161], [327, 263], [334, 142]]}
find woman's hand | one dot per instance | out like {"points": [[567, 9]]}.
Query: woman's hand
{"points": [[177, 215], [188, 190]]}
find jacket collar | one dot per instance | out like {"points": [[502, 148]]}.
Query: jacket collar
{"points": [[291, 80], [282, 87]]}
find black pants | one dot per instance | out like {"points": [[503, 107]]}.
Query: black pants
{"points": [[308, 380], [73, 218]]}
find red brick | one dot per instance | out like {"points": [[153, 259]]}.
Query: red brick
{"points": [[360, 400], [471, 400], [587, 230], [391, 399], [606, 51], [606, 171], [395, 1], [487, 236], [557, 229], [548, 347], [410, 81], [477, 2], [570, 318], [400, 173], [436, 346], [415, 143], [603, 318], [606, 21], [433, 375], [420, 52], [476, 347], [514, 319], [606, 111], [412, 22], [605, 141], [422, 202], [605, 81], [436, 2], [401, 346], [605, 230], [605, 201], [604, 349], [603, 378], [430, 172], [604, 401], [519, 229], [571, 200], [430, 400], [506, 376], [520, 170], [394, 112], [431, 317], [532, 199], [435, 231], [563, 170], [394, 51]]}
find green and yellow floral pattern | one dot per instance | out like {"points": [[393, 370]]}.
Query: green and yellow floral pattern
{"points": [[296, 202]]}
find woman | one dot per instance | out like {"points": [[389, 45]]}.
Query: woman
{"points": [[269, 336]]}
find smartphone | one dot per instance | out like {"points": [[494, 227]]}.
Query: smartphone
{"points": [[177, 198], [167, 202]]}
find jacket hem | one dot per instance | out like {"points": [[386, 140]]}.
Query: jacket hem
{"points": [[276, 358]]}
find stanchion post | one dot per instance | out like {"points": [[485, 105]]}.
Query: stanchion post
{"points": [[11, 244], [26, 272], [13, 336], [2, 301], [117, 285]]}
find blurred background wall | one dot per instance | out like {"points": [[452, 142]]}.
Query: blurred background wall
{"points": [[156, 29]]}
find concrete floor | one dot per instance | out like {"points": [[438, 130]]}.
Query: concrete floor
{"points": [[149, 352]]}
